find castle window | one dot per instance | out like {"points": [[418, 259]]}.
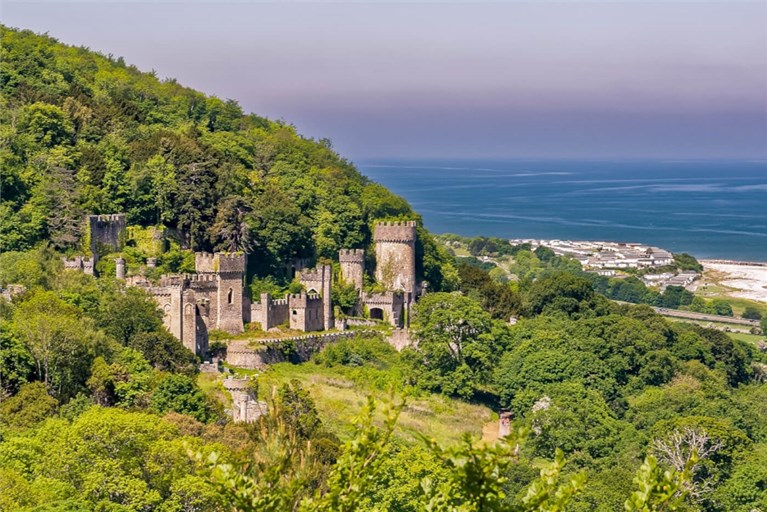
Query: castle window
{"points": [[295, 312], [230, 296]]}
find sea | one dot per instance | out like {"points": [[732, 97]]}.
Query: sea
{"points": [[711, 209]]}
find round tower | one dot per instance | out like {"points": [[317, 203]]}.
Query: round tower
{"points": [[352, 266], [120, 268], [395, 255]]}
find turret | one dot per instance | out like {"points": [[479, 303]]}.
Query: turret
{"points": [[352, 266], [395, 256], [120, 268]]}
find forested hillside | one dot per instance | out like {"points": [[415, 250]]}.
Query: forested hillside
{"points": [[101, 408], [86, 133]]}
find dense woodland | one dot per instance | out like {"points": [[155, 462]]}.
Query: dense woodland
{"points": [[615, 408]]}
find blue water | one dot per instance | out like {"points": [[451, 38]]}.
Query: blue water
{"points": [[709, 209]]}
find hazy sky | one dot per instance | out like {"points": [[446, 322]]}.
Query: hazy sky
{"points": [[558, 79]]}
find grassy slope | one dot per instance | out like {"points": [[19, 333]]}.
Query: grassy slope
{"points": [[340, 398]]}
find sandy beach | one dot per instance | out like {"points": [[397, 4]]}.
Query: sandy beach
{"points": [[746, 281]]}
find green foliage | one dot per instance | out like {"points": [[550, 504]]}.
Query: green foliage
{"points": [[684, 261], [751, 313], [178, 393], [496, 298], [457, 344], [345, 296], [31, 405], [657, 489], [105, 459], [16, 363], [60, 342]]}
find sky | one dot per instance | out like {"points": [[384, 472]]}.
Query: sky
{"points": [[611, 79]]}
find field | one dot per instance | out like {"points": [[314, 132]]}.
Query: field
{"points": [[340, 398]]}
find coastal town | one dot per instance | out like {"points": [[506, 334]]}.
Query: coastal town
{"points": [[610, 258]]}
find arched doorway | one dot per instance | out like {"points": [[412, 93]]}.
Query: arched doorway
{"points": [[376, 314]]}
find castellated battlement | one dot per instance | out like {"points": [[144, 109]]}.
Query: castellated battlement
{"points": [[351, 255], [303, 300], [205, 262], [173, 281], [201, 278], [108, 218], [318, 274], [232, 384], [383, 298], [80, 263], [231, 262], [401, 231], [220, 262]]}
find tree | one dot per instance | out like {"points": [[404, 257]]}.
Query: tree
{"points": [[456, 345], [684, 261], [165, 352], [722, 307], [684, 450], [751, 313], [16, 363], [60, 342], [179, 393], [29, 407], [230, 231], [128, 312]]}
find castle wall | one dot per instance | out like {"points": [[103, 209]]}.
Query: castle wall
{"points": [[353, 266], [269, 351], [245, 407], [227, 304], [391, 303], [107, 233], [395, 255], [320, 281], [270, 312], [306, 312]]}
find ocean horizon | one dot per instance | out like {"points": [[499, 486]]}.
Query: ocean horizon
{"points": [[711, 209]]}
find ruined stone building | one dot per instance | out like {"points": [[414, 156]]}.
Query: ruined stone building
{"points": [[245, 407], [104, 234], [395, 271], [215, 297]]}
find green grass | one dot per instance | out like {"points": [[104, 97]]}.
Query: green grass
{"points": [[212, 386], [339, 399], [753, 339], [742, 336]]}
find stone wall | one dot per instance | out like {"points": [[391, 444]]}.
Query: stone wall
{"points": [[320, 281], [107, 233], [306, 312], [275, 350], [270, 312]]}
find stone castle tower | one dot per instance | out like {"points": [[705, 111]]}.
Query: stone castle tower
{"points": [[352, 266], [395, 256], [107, 233], [226, 304], [320, 281]]}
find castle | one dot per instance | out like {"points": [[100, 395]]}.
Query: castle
{"points": [[215, 297], [104, 234]]}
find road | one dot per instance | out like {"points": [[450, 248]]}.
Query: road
{"points": [[706, 318]]}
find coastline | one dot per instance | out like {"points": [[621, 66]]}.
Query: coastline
{"points": [[740, 279]]}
